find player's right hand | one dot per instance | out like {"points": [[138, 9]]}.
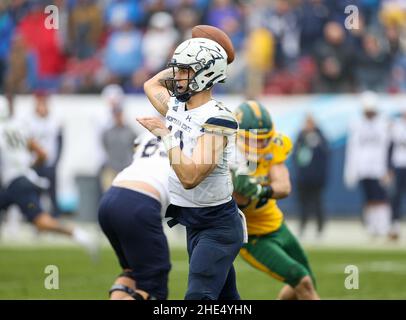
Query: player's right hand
{"points": [[155, 125]]}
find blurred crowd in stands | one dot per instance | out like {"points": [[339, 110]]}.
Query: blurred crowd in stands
{"points": [[283, 46]]}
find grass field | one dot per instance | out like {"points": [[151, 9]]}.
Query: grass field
{"points": [[382, 274]]}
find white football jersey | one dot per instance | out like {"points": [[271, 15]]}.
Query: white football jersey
{"points": [[45, 131], [399, 143], [150, 165], [188, 126], [367, 150], [15, 158]]}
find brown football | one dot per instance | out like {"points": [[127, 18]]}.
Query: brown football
{"points": [[215, 34]]}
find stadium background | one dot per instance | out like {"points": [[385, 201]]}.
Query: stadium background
{"points": [[295, 56]]}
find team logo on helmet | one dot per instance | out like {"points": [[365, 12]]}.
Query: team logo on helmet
{"points": [[204, 51]]}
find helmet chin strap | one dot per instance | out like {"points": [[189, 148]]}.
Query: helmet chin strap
{"points": [[184, 97]]}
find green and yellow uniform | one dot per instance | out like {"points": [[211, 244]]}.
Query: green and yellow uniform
{"points": [[265, 216], [271, 247]]}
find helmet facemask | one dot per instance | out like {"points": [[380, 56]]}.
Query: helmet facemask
{"points": [[173, 84], [255, 143], [256, 130]]}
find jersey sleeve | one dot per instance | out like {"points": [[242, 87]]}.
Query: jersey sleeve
{"points": [[221, 122], [282, 147]]}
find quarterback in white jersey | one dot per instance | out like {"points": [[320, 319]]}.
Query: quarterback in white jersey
{"points": [[366, 163], [199, 134], [130, 217], [188, 126]]}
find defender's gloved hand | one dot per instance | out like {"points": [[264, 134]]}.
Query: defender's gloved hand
{"points": [[249, 187], [245, 185], [266, 192]]}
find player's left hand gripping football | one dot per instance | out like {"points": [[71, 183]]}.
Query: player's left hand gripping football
{"points": [[155, 125]]}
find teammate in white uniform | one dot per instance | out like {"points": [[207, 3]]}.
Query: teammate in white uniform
{"points": [[47, 131], [367, 163], [398, 164], [130, 217], [199, 135], [22, 186]]}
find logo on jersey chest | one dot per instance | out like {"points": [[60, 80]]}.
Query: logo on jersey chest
{"points": [[179, 123]]}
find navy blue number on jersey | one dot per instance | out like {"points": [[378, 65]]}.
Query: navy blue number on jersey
{"points": [[222, 108], [178, 135], [150, 148]]}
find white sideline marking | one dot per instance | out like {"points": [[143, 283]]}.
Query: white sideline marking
{"points": [[338, 235], [370, 266]]}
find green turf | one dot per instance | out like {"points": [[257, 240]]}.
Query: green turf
{"points": [[382, 274]]}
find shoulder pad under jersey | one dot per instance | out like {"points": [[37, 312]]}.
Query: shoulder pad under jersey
{"points": [[281, 147], [220, 121]]}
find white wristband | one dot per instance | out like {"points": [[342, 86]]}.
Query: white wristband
{"points": [[170, 141]]}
